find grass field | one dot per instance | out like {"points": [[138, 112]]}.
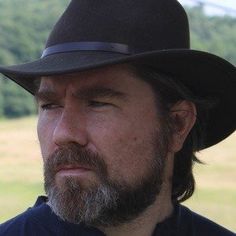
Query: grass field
{"points": [[21, 174]]}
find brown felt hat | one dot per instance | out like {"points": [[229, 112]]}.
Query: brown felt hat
{"points": [[92, 34]]}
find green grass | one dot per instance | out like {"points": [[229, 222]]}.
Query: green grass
{"points": [[21, 174], [217, 204], [21, 166], [16, 197]]}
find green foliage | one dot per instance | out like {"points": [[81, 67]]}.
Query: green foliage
{"points": [[16, 102], [213, 34], [25, 25], [1, 98]]}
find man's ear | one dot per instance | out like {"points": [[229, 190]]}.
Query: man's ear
{"points": [[183, 116]]}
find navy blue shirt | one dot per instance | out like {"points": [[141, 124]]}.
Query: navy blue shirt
{"points": [[41, 221]]}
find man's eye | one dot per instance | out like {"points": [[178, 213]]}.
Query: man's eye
{"points": [[98, 104], [49, 106]]}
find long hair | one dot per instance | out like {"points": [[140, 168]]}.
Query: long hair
{"points": [[169, 91]]}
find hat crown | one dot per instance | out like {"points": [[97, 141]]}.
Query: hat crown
{"points": [[142, 25]]}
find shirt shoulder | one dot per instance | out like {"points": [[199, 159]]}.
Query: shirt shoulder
{"points": [[28, 223], [194, 224], [40, 220]]}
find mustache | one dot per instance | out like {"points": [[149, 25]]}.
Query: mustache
{"points": [[74, 155]]}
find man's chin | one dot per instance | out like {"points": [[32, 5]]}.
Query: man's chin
{"points": [[79, 178], [75, 204]]}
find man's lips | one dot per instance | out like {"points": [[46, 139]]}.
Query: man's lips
{"points": [[72, 170], [71, 167]]}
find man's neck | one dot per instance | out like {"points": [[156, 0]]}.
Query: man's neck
{"points": [[145, 224], [161, 209]]}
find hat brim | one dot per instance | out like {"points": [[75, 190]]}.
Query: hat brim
{"points": [[205, 74]]}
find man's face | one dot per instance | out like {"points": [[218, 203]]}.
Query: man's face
{"points": [[102, 144]]}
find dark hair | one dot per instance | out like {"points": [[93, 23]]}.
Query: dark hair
{"points": [[169, 91]]}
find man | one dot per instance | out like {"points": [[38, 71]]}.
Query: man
{"points": [[124, 104]]}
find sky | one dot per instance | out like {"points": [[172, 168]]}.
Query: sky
{"points": [[212, 10]]}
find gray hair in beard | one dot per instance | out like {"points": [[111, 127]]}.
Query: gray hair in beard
{"points": [[109, 203]]}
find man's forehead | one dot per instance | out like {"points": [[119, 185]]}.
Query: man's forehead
{"points": [[74, 82], [116, 82]]}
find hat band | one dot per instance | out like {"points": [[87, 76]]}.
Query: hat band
{"points": [[86, 46]]}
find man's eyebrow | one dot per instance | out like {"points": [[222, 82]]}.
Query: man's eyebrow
{"points": [[45, 95], [84, 94], [99, 92]]}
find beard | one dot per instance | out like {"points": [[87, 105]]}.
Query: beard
{"points": [[107, 202]]}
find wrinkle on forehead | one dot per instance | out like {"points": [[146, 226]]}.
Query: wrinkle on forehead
{"points": [[104, 82], [107, 76], [82, 94]]}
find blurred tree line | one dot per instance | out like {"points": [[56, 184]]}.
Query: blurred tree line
{"points": [[25, 25]]}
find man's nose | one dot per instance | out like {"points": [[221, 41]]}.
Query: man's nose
{"points": [[70, 128]]}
